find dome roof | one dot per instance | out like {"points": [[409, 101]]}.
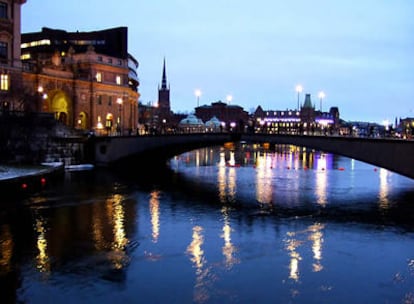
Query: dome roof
{"points": [[213, 122], [191, 120]]}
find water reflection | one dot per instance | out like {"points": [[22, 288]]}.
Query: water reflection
{"points": [[155, 215], [316, 236], [6, 250], [264, 186], [201, 293], [297, 239], [384, 202], [42, 257], [292, 245], [321, 180], [228, 248], [226, 179], [118, 256]]}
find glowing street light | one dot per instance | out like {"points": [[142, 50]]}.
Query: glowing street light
{"points": [[299, 90], [321, 96], [119, 102], [229, 98], [198, 94]]}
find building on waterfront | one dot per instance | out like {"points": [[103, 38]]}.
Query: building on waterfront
{"points": [[232, 117], [88, 80], [307, 120], [11, 92], [405, 127]]}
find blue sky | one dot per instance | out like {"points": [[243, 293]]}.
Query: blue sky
{"points": [[361, 54]]}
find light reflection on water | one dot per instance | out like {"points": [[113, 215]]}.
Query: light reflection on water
{"points": [[226, 226]]}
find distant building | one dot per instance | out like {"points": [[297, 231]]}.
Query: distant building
{"points": [[87, 79], [305, 121], [191, 124], [233, 117], [11, 90], [406, 127]]}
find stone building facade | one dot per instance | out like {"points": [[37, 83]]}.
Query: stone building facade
{"points": [[88, 80], [11, 91]]}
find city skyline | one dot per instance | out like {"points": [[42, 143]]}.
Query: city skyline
{"points": [[360, 55]]}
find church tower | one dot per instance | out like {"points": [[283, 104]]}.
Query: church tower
{"points": [[164, 94]]}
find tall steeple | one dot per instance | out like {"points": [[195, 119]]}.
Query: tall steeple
{"points": [[164, 78], [164, 91]]}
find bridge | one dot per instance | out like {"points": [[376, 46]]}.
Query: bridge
{"points": [[393, 154]]}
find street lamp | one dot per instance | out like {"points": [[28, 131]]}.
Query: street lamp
{"points": [[198, 94], [321, 96], [299, 90], [119, 102], [229, 98], [42, 96]]}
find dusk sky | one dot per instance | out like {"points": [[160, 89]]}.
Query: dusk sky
{"points": [[361, 54]]}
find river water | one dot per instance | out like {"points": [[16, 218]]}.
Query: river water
{"points": [[234, 224]]}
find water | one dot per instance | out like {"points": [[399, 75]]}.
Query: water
{"points": [[234, 225]]}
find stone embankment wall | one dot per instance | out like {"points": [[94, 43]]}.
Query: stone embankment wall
{"points": [[33, 138]]}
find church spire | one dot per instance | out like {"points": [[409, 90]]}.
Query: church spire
{"points": [[164, 78]]}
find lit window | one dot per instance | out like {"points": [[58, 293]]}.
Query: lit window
{"points": [[25, 56], [4, 82], [118, 80], [3, 10], [99, 77], [35, 43]]}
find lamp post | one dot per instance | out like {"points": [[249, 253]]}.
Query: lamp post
{"points": [[299, 90], [42, 96], [321, 96], [229, 98], [198, 94], [119, 102]]}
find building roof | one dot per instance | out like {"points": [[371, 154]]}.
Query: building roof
{"points": [[191, 120], [112, 42]]}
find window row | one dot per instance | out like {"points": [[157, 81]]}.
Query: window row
{"points": [[110, 60], [101, 99], [99, 78]]}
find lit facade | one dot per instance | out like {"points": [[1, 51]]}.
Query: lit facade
{"points": [[307, 120], [87, 79]]}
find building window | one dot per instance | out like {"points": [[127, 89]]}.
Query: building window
{"points": [[118, 80], [109, 100], [4, 82], [3, 10], [100, 58], [110, 60], [25, 56], [99, 99], [99, 77], [3, 50]]}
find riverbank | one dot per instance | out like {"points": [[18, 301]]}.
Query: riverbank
{"points": [[23, 180]]}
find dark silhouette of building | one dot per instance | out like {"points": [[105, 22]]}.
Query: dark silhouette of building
{"points": [[164, 93], [232, 116]]}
